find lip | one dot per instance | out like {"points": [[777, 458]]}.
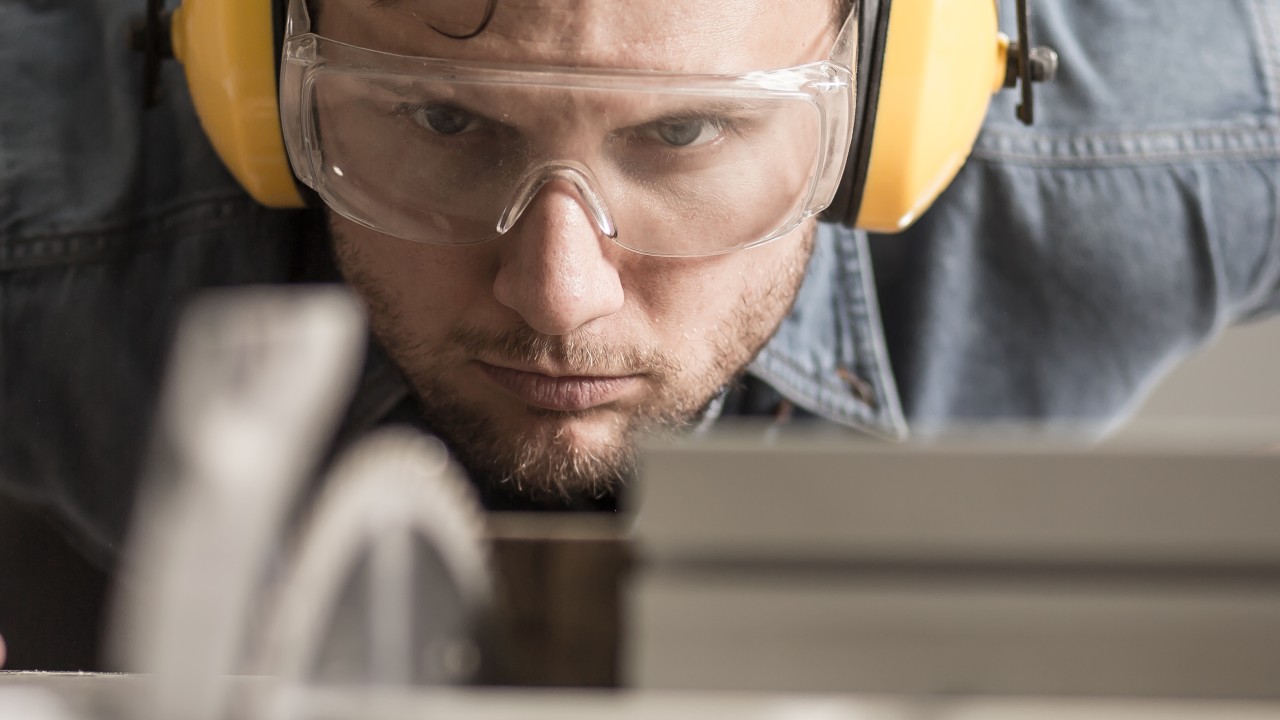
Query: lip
{"points": [[565, 392]]}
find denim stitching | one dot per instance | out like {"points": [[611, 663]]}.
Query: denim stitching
{"points": [[1130, 148], [864, 351], [777, 370], [831, 398], [83, 246], [223, 203], [1204, 130], [788, 376], [875, 354], [1121, 160]]}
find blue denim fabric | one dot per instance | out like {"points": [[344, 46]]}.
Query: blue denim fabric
{"points": [[1071, 263], [110, 218], [1067, 268]]}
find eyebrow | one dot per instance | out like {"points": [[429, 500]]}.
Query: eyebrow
{"points": [[483, 106]]}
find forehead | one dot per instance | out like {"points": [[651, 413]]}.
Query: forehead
{"points": [[704, 36]]}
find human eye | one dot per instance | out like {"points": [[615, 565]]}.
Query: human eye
{"points": [[443, 118], [686, 132]]}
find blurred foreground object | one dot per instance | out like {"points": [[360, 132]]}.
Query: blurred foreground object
{"points": [[1149, 567], [390, 578], [381, 584], [256, 385], [893, 581], [776, 576]]}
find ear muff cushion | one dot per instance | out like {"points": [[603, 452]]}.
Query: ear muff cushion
{"points": [[230, 51], [943, 60], [873, 25]]}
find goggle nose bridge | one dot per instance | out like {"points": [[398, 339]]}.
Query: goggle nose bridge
{"points": [[574, 173]]}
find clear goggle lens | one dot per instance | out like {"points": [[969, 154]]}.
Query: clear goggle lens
{"points": [[450, 153]]}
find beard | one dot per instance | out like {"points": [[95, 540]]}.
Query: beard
{"points": [[545, 464]]}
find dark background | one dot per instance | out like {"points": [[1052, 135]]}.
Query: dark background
{"points": [[51, 599]]}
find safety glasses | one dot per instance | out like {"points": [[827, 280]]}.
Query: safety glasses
{"points": [[670, 164]]}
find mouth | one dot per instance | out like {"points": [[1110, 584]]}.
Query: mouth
{"points": [[564, 393]]}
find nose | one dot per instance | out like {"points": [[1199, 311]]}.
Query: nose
{"points": [[555, 268]]}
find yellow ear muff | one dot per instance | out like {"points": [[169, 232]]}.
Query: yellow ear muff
{"points": [[228, 50], [943, 61]]}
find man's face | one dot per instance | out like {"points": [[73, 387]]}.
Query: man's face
{"points": [[541, 355]]}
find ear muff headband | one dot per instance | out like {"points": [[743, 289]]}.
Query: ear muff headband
{"points": [[926, 73], [229, 49]]}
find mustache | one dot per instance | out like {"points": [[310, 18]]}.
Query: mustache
{"points": [[581, 353]]}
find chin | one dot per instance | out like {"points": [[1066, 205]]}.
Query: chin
{"points": [[565, 459], [591, 431]]}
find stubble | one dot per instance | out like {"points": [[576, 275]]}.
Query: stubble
{"points": [[544, 461]]}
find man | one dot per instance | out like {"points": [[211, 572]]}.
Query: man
{"points": [[1069, 265], [539, 354]]}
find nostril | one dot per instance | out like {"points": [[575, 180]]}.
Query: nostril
{"points": [[576, 175]]}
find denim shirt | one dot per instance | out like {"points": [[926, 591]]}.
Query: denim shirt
{"points": [[1072, 263], [1065, 270]]}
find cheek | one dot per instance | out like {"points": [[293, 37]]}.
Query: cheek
{"points": [[435, 281], [681, 298], [425, 288], [695, 305]]}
